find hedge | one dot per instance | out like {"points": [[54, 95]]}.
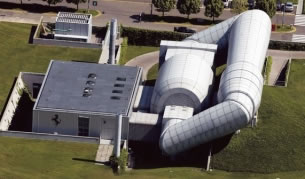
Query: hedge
{"points": [[144, 37], [268, 69], [285, 45]]}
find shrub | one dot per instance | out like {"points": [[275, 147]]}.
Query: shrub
{"points": [[268, 69], [120, 162], [284, 45], [146, 37]]}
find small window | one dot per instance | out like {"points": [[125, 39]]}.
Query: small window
{"points": [[83, 126], [115, 97], [117, 91], [92, 76], [120, 79], [119, 85]]}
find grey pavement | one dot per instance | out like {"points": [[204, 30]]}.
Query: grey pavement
{"points": [[278, 63], [145, 61]]}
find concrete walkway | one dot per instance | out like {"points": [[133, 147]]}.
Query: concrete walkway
{"points": [[278, 63], [104, 152], [145, 61]]}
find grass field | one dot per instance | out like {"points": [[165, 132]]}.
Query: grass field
{"points": [[31, 159], [18, 55], [153, 72], [277, 144], [129, 52]]}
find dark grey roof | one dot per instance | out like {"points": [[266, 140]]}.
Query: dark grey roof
{"points": [[109, 87]]}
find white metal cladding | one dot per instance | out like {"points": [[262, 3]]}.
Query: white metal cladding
{"points": [[184, 80], [240, 87]]}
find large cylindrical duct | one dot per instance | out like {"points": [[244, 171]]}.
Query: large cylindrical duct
{"points": [[239, 91], [184, 80]]}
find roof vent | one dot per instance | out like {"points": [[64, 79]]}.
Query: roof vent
{"points": [[117, 91], [115, 97], [90, 83], [92, 76], [87, 92], [119, 85]]}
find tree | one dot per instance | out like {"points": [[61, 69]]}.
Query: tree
{"points": [[269, 6], [52, 2], [239, 6], [213, 8], [188, 7], [76, 2], [164, 5]]}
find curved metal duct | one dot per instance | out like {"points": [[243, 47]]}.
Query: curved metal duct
{"points": [[177, 85], [240, 88]]}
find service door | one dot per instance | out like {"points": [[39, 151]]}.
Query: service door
{"points": [[108, 129]]}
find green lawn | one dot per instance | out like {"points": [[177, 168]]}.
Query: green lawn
{"points": [[278, 143], [284, 28], [130, 52], [91, 11], [31, 159], [17, 55], [153, 72]]}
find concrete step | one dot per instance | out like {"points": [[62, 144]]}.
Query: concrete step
{"points": [[104, 152]]}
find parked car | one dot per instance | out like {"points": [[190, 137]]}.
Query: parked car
{"points": [[184, 30], [289, 7], [227, 3]]}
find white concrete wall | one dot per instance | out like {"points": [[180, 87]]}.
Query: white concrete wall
{"points": [[98, 125], [12, 104]]}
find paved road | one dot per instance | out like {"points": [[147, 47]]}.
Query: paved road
{"points": [[148, 60], [126, 11]]}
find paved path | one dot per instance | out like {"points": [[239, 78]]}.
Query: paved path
{"points": [[146, 61], [278, 63], [104, 152]]}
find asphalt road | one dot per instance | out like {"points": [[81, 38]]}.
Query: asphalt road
{"points": [[126, 12]]}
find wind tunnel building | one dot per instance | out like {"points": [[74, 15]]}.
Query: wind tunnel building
{"points": [[183, 93]]}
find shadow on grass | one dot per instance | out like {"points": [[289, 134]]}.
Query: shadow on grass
{"points": [[148, 155], [91, 161], [174, 19], [35, 8], [33, 29]]}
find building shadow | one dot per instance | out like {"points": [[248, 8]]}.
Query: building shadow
{"points": [[35, 8], [149, 155], [22, 119], [32, 33]]}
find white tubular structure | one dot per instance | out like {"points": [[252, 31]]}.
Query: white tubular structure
{"points": [[247, 37]]}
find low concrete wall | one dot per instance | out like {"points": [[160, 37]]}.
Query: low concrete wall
{"points": [[12, 104], [52, 137], [105, 49], [40, 41], [118, 54]]}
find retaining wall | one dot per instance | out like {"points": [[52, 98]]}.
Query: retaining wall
{"points": [[52, 137], [12, 103]]}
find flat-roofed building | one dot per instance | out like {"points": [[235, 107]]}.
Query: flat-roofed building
{"points": [[73, 26], [84, 99]]}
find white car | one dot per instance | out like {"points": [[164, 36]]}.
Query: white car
{"points": [[289, 7]]}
